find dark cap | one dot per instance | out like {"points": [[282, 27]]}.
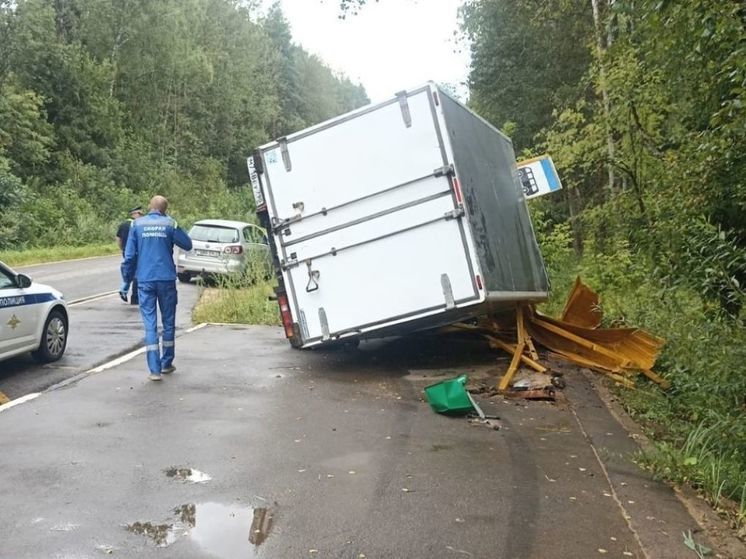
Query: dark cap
{"points": [[137, 209]]}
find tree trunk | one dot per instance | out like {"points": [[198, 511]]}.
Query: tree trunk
{"points": [[573, 203], [604, 93]]}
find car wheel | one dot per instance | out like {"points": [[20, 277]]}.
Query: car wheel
{"points": [[184, 277], [53, 338]]}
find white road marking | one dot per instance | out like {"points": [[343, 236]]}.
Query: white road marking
{"points": [[27, 266], [21, 400], [127, 356], [111, 364], [91, 298], [118, 361]]}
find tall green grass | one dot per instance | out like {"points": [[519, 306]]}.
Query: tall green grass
{"points": [[240, 298], [698, 426]]}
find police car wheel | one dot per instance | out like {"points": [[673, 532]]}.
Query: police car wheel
{"points": [[184, 277], [53, 338]]}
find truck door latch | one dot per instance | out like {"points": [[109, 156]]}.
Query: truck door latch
{"points": [[313, 278]]}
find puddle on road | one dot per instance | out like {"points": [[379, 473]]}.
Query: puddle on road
{"points": [[224, 531], [187, 474]]}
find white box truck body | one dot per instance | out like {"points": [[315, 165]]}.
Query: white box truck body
{"points": [[399, 216]]}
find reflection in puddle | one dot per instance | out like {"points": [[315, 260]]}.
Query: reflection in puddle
{"points": [[260, 526], [187, 474], [225, 531], [229, 530], [162, 535]]}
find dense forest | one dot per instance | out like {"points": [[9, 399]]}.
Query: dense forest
{"points": [[641, 105], [105, 102]]}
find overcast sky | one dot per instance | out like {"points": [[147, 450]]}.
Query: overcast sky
{"points": [[389, 46]]}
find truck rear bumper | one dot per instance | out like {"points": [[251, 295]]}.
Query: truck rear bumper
{"points": [[495, 303]]}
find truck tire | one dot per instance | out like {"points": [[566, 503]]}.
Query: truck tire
{"points": [[184, 277]]}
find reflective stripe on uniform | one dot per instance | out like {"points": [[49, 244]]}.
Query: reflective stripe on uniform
{"points": [[169, 343], [152, 347]]}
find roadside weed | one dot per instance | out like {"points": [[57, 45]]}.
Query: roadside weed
{"points": [[241, 298], [701, 550]]}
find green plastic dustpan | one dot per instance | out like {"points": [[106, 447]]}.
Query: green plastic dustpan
{"points": [[449, 396]]}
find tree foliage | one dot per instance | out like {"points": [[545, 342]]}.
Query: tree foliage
{"points": [[655, 91], [105, 102], [526, 53]]}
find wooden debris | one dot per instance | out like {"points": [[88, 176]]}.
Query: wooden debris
{"points": [[618, 353]]}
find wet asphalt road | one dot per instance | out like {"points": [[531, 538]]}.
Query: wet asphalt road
{"points": [[321, 454], [78, 278], [100, 329]]}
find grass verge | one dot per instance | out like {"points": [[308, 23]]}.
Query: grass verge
{"points": [[16, 258], [698, 426], [234, 302]]}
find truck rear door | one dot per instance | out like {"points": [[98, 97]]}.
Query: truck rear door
{"points": [[367, 222]]}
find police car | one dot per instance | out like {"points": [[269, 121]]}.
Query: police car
{"points": [[33, 317]]}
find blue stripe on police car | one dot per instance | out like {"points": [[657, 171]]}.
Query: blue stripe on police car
{"points": [[21, 300]]}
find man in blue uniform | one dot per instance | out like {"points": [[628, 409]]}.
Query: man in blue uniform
{"points": [[149, 258], [122, 234]]}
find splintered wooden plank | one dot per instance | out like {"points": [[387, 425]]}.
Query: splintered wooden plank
{"points": [[510, 348]]}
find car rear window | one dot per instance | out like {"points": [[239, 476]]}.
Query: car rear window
{"points": [[214, 234]]}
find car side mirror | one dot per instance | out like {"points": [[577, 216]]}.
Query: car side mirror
{"points": [[23, 281]]}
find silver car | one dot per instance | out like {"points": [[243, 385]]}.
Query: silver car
{"points": [[223, 247]]}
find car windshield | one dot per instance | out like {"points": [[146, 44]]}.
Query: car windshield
{"points": [[214, 234]]}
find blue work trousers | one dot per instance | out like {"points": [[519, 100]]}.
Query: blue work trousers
{"points": [[162, 293]]}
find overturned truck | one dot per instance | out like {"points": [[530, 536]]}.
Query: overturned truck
{"points": [[396, 217]]}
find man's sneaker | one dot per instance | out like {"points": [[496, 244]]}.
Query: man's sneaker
{"points": [[168, 370], [154, 376]]}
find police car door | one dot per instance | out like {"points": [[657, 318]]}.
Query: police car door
{"points": [[16, 320]]}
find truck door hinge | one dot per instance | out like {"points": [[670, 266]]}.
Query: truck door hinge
{"points": [[445, 283], [278, 223], [455, 213], [290, 262], [285, 154], [324, 323], [404, 106], [445, 171]]}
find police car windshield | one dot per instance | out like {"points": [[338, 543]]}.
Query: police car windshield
{"points": [[214, 234]]}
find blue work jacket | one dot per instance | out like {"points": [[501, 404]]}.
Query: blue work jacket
{"points": [[149, 254]]}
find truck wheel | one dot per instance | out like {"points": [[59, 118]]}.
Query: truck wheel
{"points": [[53, 338], [345, 345], [184, 277]]}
